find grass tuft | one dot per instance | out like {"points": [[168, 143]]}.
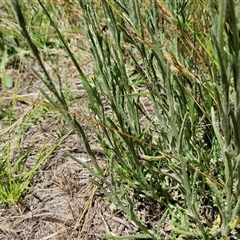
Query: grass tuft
{"points": [[164, 101]]}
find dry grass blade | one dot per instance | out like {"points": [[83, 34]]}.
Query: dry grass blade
{"points": [[20, 120], [7, 229], [85, 214]]}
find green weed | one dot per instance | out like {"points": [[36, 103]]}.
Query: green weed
{"points": [[182, 149]]}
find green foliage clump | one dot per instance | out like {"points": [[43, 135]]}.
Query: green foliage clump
{"points": [[166, 96]]}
